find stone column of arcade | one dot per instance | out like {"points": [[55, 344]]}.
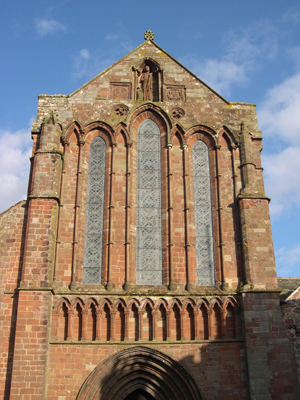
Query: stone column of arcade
{"points": [[35, 296]]}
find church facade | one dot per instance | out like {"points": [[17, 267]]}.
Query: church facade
{"points": [[141, 265]]}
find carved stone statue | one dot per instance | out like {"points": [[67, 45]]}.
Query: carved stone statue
{"points": [[145, 81]]}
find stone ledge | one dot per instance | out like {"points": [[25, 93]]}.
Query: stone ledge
{"points": [[142, 342]]}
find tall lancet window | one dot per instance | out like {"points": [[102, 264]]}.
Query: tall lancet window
{"points": [[203, 216], [92, 267], [149, 236]]}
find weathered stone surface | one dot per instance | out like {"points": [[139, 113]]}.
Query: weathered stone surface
{"points": [[231, 339]]}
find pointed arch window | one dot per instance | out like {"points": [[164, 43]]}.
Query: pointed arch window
{"points": [[92, 267], [149, 236], [203, 215]]}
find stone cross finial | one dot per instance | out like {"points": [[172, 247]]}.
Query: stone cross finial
{"points": [[149, 35]]}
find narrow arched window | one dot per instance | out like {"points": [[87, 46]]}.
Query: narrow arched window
{"points": [[149, 237], [92, 267], [203, 216]]}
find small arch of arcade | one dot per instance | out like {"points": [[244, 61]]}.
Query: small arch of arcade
{"points": [[139, 373], [131, 319]]}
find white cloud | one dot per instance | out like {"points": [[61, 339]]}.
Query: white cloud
{"points": [[281, 173], [15, 151], [84, 53], [126, 46], [294, 54], [47, 26], [111, 36], [243, 54], [279, 119], [288, 261], [254, 44], [220, 75], [279, 114], [88, 64], [291, 16]]}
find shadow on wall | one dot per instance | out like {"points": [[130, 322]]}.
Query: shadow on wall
{"points": [[139, 373], [15, 297], [142, 373]]}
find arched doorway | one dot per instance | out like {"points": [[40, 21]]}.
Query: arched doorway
{"points": [[139, 373], [139, 395]]}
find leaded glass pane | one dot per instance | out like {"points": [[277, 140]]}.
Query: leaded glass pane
{"points": [[149, 198], [92, 266], [91, 275], [149, 239], [149, 142], [203, 217], [150, 217], [148, 160], [149, 179], [148, 277]]}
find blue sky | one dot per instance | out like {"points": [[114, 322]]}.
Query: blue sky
{"points": [[247, 51]]}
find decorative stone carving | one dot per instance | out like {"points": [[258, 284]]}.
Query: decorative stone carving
{"points": [[51, 118], [145, 84], [121, 110], [178, 112], [149, 35], [147, 81], [120, 90], [175, 93]]}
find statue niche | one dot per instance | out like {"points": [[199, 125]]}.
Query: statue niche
{"points": [[145, 83], [148, 81]]}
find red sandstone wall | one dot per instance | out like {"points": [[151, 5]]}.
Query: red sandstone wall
{"points": [[206, 116], [11, 241], [270, 351], [291, 318], [29, 374], [218, 369], [259, 258], [55, 245], [227, 256]]}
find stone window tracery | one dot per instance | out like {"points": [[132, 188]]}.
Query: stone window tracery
{"points": [[149, 236], [92, 267], [203, 216]]}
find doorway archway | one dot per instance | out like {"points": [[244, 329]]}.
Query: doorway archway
{"points": [[139, 395], [139, 373]]}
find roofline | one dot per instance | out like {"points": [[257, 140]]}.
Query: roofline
{"points": [[14, 205], [160, 48], [169, 55], [107, 69], [190, 72]]}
